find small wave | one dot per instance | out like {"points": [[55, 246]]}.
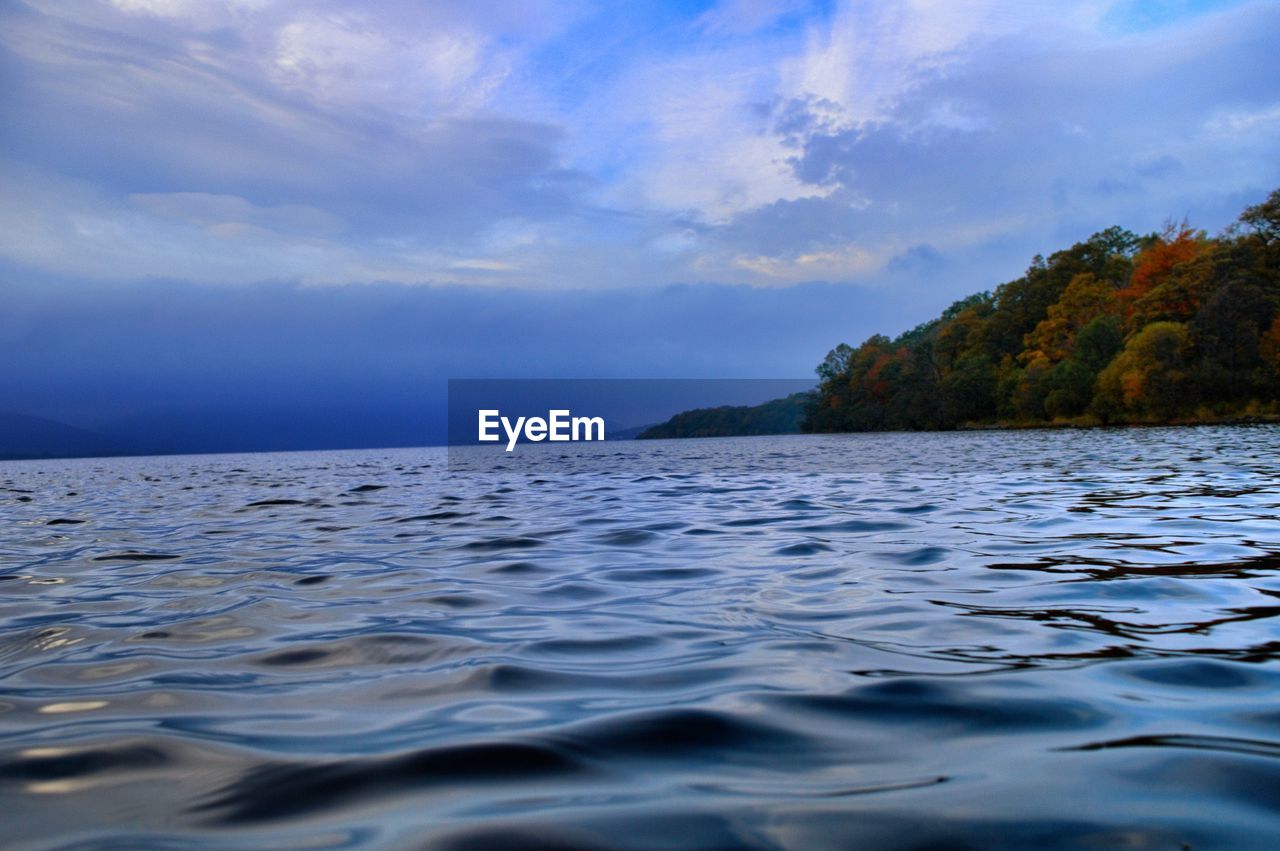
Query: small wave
{"points": [[288, 790], [504, 543]]}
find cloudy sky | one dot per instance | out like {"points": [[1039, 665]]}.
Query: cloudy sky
{"points": [[577, 188]]}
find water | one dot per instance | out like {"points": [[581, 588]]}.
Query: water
{"points": [[1006, 640]]}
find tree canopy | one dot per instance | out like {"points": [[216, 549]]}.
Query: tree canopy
{"points": [[1118, 328]]}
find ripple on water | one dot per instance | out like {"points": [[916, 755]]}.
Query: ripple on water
{"points": [[1023, 639]]}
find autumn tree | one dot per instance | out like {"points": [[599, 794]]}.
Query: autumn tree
{"points": [[1149, 378], [1116, 327], [1085, 299], [1070, 384], [1152, 267]]}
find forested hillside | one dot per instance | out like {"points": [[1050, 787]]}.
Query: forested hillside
{"points": [[1119, 328], [779, 416]]}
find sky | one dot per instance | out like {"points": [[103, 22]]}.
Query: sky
{"points": [[228, 206]]}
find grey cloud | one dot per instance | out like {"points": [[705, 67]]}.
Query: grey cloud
{"points": [[918, 257], [1161, 166], [798, 119], [159, 115], [788, 228]]}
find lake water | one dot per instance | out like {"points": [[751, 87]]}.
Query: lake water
{"points": [[969, 640]]}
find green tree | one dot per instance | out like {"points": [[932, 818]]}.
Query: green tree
{"points": [[1149, 378], [1071, 382], [1228, 331], [1264, 218], [969, 390]]}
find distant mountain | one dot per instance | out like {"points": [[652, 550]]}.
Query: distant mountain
{"points": [[628, 433], [777, 416], [23, 436]]}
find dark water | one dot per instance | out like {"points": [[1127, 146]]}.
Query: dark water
{"points": [[1004, 640]]}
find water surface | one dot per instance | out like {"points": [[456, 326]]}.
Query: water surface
{"points": [[1056, 639]]}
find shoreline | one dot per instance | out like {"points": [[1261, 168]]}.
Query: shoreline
{"points": [[1249, 419]]}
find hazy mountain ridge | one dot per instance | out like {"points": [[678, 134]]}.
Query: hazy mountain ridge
{"points": [[777, 416], [23, 436]]}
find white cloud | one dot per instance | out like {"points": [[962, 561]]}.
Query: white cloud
{"points": [[352, 61], [743, 17], [870, 54], [692, 134], [692, 123], [164, 8], [840, 264], [1236, 123], [199, 13]]}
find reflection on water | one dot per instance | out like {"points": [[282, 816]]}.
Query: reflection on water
{"points": [[1065, 639]]}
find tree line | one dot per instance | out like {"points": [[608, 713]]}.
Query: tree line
{"points": [[1173, 326], [777, 416]]}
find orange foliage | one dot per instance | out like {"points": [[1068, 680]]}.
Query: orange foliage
{"points": [[1085, 299], [1152, 265], [874, 383]]}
